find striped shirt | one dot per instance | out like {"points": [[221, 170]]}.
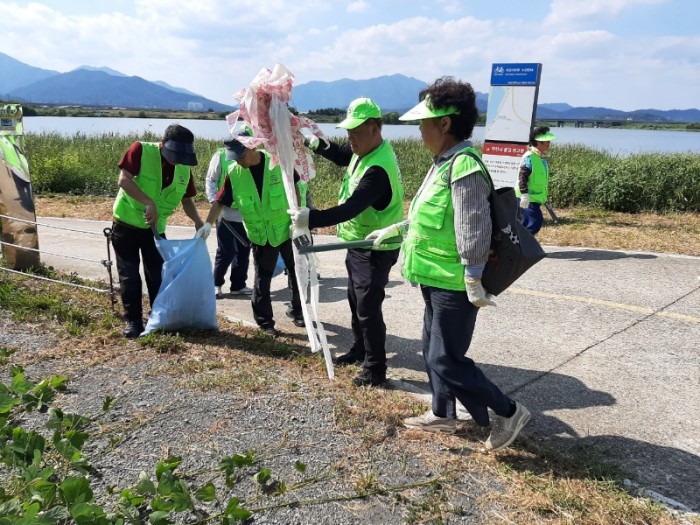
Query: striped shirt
{"points": [[472, 213]]}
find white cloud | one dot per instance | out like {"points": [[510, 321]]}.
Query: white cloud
{"points": [[357, 7], [205, 47], [567, 13]]}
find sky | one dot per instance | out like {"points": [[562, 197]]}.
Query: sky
{"points": [[622, 54]]}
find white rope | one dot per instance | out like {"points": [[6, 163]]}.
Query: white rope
{"points": [[50, 225], [100, 290], [53, 253]]}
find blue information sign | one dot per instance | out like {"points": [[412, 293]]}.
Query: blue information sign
{"points": [[515, 74]]}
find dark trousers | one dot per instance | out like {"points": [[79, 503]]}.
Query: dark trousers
{"points": [[265, 260], [231, 252], [532, 217], [130, 245], [368, 275], [448, 325]]}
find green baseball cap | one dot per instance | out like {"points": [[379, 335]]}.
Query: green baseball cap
{"points": [[545, 137], [360, 110], [424, 110]]}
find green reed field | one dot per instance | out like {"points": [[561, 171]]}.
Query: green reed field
{"points": [[653, 182]]}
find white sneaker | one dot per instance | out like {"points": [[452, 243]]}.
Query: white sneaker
{"points": [[242, 291], [506, 429], [431, 423], [219, 292]]}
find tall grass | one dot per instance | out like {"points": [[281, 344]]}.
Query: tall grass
{"points": [[87, 165]]}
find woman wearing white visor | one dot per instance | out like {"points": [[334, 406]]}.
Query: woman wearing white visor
{"points": [[446, 243]]}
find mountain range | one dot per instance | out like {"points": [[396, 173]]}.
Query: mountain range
{"points": [[103, 86]]}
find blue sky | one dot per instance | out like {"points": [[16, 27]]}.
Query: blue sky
{"points": [[624, 54]]}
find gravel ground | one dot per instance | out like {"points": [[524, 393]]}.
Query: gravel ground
{"points": [[156, 415]]}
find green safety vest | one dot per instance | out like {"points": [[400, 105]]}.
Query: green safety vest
{"points": [[430, 250], [538, 182], [371, 219], [150, 180], [265, 218]]}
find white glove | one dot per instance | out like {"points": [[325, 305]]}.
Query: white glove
{"points": [[379, 236], [524, 201], [203, 232], [300, 218], [477, 295], [312, 142]]}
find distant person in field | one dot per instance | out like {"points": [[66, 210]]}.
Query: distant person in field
{"points": [[233, 245], [154, 179], [446, 243], [533, 179], [371, 197]]}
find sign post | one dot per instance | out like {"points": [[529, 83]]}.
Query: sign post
{"points": [[510, 116], [16, 196]]}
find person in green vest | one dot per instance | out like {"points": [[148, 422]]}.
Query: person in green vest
{"points": [[533, 179], [371, 197], [447, 238], [233, 246], [153, 179], [257, 190]]}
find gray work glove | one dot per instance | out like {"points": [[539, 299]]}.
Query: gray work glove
{"points": [[476, 293]]}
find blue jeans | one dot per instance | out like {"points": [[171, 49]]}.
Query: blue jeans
{"points": [[532, 217], [448, 325], [231, 252]]}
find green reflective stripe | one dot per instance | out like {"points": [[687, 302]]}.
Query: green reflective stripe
{"points": [[430, 249], [265, 216], [150, 181], [538, 183], [371, 219], [303, 190]]}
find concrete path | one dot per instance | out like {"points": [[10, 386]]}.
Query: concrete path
{"points": [[602, 346]]}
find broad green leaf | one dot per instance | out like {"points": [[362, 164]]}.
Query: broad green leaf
{"points": [[162, 504], [145, 486], [159, 518], [206, 492], [236, 513], [74, 490], [263, 476], [298, 465], [88, 514], [169, 464]]}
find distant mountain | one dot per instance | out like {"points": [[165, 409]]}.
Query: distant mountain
{"points": [[173, 88], [104, 69], [555, 106], [103, 86], [97, 88], [392, 92], [15, 74]]}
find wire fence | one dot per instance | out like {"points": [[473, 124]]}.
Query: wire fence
{"points": [[107, 263]]}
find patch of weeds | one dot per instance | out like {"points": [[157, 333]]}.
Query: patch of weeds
{"points": [[163, 343]]}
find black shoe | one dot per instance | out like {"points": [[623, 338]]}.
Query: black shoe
{"points": [[350, 358], [133, 329], [296, 317], [369, 379], [269, 330]]}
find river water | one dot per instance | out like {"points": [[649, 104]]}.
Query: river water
{"points": [[617, 141]]}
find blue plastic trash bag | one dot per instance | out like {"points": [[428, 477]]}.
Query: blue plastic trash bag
{"points": [[279, 267], [186, 298]]}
